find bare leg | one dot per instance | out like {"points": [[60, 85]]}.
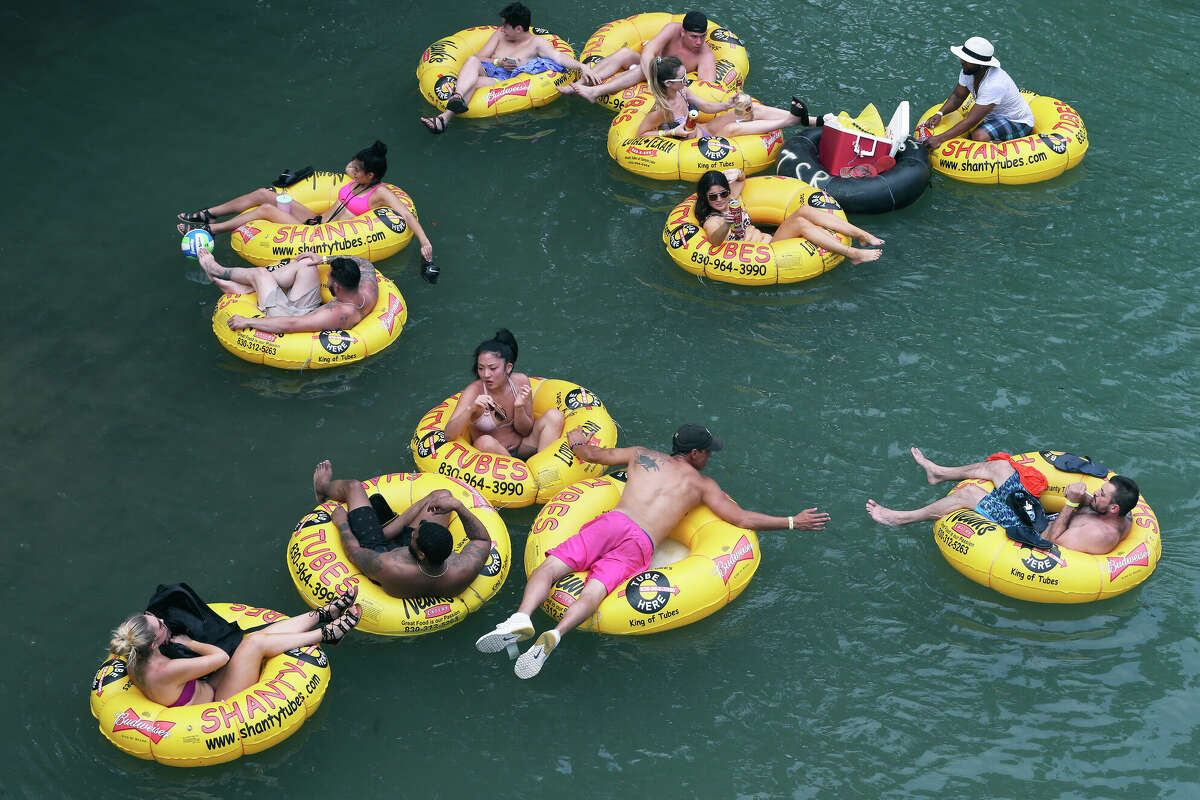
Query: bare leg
{"points": [[589, 600], [827, 219], [266, 209], [967, 497], [622, 77], [547, 428], [348, 491], [245, 665], [995, 471], [490, 444], [799, 225], [766, 119], [537, 587], [470, 78], [216, 274]]}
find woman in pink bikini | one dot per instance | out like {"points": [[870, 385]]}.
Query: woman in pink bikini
{"points": [[364, 192], [214, 674], [497, 409]]}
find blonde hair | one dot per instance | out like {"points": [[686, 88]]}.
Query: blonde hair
{"points": [[132, 641], [660, 70]]}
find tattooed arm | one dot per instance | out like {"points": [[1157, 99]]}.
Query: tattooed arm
{"points": [[611, 456], [367, 561]]}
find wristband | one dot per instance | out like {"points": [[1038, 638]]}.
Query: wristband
{"points": [[1069, 503], [791, 523]]}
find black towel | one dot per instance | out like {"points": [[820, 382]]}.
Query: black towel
{"points": [[1081, 465], [184, 612]]}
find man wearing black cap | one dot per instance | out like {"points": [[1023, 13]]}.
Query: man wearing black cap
{"points": [[659, 490], [1000, 112], [685, 40]]}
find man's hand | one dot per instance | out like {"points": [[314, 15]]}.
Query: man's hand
{"points": [[588, 75], [576, 436], [934, 142], [1076, 493], [811, 520], [239, 323], [440, 501]]}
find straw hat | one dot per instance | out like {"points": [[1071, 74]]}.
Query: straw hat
{"points": [[977, 50]]}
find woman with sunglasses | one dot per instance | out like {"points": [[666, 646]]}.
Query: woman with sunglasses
{"points": [[721, 222], [673, 101], [498, 407], [364, 192], [214, 675]]}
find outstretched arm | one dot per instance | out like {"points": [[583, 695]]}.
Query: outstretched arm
{"points": [[546, 50], [965, 126], [610, 456], [326, 318], [808, 520], [385, 197]]}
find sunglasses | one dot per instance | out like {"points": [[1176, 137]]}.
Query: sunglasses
{"points": [[674, 80], [718, 195]]}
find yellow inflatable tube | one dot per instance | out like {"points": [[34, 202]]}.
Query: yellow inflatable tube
{"points": [[321, 571], [375, 235], [437, 75], [509, 482], [665, 158], [979, 549], [769, 200], [729, 51], [701, 567], [311, 349], [288, 692], [1057, 144]]}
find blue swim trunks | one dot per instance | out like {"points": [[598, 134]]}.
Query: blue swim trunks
{"points": [[994, 504], [533, 66], [1002, 129]]}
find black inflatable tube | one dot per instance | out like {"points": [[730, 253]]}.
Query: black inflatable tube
{"points": [[896, 188]]}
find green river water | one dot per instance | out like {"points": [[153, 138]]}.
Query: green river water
{"points": [[858, 663]]}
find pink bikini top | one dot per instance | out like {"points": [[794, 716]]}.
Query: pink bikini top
{"points": [[488, 423], [356, 204]]}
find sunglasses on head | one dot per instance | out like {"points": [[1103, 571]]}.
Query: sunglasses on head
{"points": [[718, 195], [674, 80]]}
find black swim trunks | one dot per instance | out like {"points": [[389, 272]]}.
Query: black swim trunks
{"points": [[364, 524]]}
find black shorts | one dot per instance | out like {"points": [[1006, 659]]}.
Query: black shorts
{"points": [[364, 524]]}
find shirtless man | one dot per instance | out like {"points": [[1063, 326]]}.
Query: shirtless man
{"points": [[684, 40], [659, 490], [291, 295], [1088, 523], [510, 50], [412, 555]]}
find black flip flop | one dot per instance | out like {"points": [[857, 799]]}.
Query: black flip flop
{"points": [[434, 125], [457, 104]]}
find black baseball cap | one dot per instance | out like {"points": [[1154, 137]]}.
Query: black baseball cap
{"points": [[691, 437], [695, 21]]}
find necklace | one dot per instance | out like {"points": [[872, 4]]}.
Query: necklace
{"points": [[431, 574]]}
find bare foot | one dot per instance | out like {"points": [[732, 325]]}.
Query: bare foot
{"points": [[887, 516], [932, 470], [858, 256], [322, 475], [872, 240], [210, 266], [589, 93], [570, 88]]}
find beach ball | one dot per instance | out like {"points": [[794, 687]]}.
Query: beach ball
{"points": [[193, 240]]}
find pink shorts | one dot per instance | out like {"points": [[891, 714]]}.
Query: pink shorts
{"points": [[612, 547]]}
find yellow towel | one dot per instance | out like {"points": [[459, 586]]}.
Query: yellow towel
{"points": [[868, 121]]}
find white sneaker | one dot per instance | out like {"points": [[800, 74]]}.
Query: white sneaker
{"points": [[531, 661], [516, 628]]}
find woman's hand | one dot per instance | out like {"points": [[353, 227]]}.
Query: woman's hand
{"points": [[427, 250], [483, 405], [524, 396]]}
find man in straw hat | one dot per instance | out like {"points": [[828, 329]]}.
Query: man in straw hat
{"points": [[999, 113], [659, 490]]}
